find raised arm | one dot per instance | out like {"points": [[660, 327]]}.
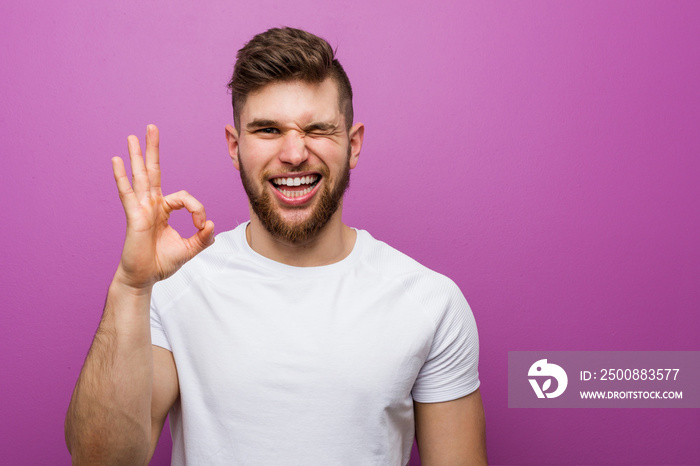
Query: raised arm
{"points": [[126, 385]]}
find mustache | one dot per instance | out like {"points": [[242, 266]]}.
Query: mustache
{"points": [[304, 167]]}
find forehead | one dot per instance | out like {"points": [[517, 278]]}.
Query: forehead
{"points": [[294, 102]]}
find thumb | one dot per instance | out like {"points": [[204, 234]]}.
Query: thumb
{"points": [[202, 239]]}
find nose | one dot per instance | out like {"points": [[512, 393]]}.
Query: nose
{"points": [[293, 150]]}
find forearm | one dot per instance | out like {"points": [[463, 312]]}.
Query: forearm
{"points": [[109, 417]]}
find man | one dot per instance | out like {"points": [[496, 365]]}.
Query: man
{"points": [[294, 339]]}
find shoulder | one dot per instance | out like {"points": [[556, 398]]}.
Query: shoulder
{"points": [[424, 284]]}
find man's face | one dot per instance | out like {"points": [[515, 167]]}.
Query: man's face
{"points": [[295, 156]]}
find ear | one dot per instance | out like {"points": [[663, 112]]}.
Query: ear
{"points": [[356, 135], [232, 140]]}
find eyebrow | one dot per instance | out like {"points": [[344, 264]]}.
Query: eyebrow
{"points": [[261, 123]]}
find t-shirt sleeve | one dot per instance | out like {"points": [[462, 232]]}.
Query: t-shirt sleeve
{"points": [[158, 336], [451, 369]]}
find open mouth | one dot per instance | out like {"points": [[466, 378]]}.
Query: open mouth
{"points": [[295, 186]]}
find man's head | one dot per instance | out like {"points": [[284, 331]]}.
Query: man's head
{"points": [[294, 142], [287, 54]]}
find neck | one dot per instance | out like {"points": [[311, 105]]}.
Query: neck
{"points": [[333, 244]]}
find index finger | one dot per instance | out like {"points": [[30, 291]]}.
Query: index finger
{"points": [[153, 159]]}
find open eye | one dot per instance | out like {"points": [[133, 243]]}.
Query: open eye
{"points": [[267, 131]]}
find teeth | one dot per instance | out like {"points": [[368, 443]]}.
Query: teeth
{"points": [[293, 194], [298, 181]]}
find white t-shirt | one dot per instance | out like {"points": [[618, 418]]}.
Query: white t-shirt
{"points": [[283, 365]]}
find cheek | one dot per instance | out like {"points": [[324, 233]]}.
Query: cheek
{"points": [[259, 147], [326, 149], [257, 153]]}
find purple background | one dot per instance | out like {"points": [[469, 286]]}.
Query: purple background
{"points": [[544, 155]]}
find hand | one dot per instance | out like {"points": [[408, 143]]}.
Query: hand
{"points": [[153, 250]]}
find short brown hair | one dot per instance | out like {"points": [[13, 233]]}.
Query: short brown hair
{"points": [[287, 54]]}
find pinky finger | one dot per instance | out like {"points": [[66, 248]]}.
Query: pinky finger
{"points": [[126, 193]]}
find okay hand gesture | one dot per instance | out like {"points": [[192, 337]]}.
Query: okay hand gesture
{"points": [[153, 250]]}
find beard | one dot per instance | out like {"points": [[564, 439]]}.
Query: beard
{"points": [[296, 232]]}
